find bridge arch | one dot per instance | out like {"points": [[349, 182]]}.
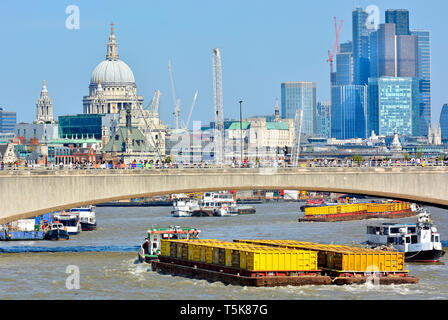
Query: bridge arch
{"points": [[30, 193]]}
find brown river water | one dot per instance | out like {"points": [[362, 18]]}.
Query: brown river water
{"points": [[109, 269]]}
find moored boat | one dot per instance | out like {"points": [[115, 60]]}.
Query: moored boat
{"points": [[70, 221], [183, 206], [86, 216], [56, 231], [420, 242], [150, 250]]}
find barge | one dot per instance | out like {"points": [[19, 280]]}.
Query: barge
{"points": [[358, 211], [279, 263]]}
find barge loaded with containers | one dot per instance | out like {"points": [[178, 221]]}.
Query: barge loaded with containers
{"points": [[279, 263], [358, 211]]}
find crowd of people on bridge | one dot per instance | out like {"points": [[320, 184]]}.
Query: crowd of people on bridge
{"points": [[235, 163]]}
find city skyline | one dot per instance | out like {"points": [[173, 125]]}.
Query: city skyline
{"points": [[256, 58]]}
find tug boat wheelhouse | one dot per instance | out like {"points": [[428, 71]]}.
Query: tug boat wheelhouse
{"points": [[420, 242], [86, 217], [152, 250]]}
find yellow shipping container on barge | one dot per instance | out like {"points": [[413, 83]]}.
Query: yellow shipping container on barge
{"points": [[344, 258], [247, 256], [351, 208]]}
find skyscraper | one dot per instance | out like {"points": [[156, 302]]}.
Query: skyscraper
{"points": [[393, 106], [424, 76], [400, 17], [360, 38], [387, 64], [300, 95], [407, 56], [348, 111], [444, 123]]}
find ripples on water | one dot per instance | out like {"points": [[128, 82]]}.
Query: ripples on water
{"points": [[109, 269]]}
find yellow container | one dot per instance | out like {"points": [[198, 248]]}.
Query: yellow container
{"points": [[365, 261], [165, 248]]}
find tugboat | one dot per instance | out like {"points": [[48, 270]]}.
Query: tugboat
{"points": [[56, 231], [151, 248], [420, 242], [86, 217]]}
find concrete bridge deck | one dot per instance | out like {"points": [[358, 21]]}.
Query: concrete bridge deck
{"points": [[28, 193]]}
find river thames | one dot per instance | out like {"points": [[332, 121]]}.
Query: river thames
{"points": [[109, 269]]}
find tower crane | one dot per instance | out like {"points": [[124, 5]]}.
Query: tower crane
{"points": [[295, 152], [176, 101], [191, 110], [154, 106], [219, 108], [336, 48]]}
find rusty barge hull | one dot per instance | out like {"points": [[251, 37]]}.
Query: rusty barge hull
{"points": [[236, 279], [362, 215], [231, 276]]}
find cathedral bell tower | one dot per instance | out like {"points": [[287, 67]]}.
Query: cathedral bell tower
{"points": [[44, 107]]}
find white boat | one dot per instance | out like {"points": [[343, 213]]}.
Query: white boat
{"points": [[70, 221], [150, 250], [86, 216], [420, 242], [183, 207], [220, 203]]}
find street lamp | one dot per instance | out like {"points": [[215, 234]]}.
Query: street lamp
{"points": [[241, 132]]}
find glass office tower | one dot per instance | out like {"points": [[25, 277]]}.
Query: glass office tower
{"points": [[393, 106], [8, 120], [300, 95], [444, 123], [401, 19], [360, 38], [323, 119], [348, 111], [424, 76]]}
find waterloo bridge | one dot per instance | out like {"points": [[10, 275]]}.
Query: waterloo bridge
{"points": [[29, 193]]}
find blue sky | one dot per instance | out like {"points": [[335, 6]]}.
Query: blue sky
{"points": [[263, 43]]}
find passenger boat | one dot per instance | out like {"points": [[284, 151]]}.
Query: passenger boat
{"points": [[359, 211], [86, 217], [155, 235], [70, 221], [218, 204], [183, 206], [56, 231], [420, 242]]}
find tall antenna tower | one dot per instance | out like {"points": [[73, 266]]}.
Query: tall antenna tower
{"points": [[219, 109]]}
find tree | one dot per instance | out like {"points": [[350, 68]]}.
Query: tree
{"points": [[406, 156]]}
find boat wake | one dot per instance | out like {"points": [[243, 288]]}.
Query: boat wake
{"points": [[25, 249]]}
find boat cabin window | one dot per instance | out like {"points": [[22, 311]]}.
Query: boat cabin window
{"points": [[414, 239], [408, 239], [411, 229], [154, 245], [394, 230], [434, 238]]}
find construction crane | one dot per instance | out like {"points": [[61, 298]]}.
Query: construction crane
{"points": [[219, 109], [336, 48], [191, 110], [176, 101], [154, 106], [295, 152]]}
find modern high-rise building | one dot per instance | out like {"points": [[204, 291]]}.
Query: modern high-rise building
{"points": [[444, 123], [8, 120], [348, 111], [400, 17], [424, 76], [360, 38], [387, 53], [323, 119], [393, 106], [300, 95], [407, 56]]}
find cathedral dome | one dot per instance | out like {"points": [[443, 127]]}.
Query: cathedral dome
{"points": [[112, 72]]}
